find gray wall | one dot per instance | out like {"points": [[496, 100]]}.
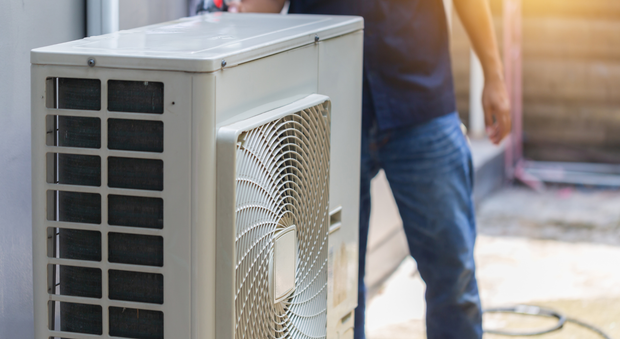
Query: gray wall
{"points": [[24, 25], [137, 13]]}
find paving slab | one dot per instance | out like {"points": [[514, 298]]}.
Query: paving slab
{"points": [[564, 213], [558, 249]]}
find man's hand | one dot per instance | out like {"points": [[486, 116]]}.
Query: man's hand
{"points": [[496, 107], [234, 7], [255, 6]]}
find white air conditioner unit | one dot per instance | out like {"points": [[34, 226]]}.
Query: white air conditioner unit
{"points": [[198, 179]]}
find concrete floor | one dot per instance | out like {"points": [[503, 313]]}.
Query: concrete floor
{"points": [[558, 249]]}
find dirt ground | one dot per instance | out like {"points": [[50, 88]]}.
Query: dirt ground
{"points": [[559, 249]]}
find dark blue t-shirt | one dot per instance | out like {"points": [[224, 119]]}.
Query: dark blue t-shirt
{"points": [[407, 69]]}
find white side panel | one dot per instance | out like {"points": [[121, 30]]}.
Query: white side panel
{"points": [[265, 84], [203, 206], [340, 78], [39, 202], [176, 197]]}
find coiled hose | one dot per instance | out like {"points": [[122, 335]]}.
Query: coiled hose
{"points": [[537, 311]]}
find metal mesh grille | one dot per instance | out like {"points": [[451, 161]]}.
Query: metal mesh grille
{"points": [[85, 291], [283, 180]]}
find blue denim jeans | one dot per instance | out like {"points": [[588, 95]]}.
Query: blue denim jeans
{"points": [[430, 172]]}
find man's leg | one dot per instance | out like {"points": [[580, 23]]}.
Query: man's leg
{"points": [[429, 170]]}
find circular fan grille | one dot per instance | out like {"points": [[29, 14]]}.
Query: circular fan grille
{"points": [[283, 180]]}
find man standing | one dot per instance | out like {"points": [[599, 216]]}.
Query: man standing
{"points": [[411, 130]]}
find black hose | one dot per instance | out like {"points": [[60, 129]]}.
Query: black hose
{"points": [[528, 310], [588, 326], [537, 311]]}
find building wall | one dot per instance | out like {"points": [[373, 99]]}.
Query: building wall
{"points": [[571, 82], [571, 78], [24, 25]]}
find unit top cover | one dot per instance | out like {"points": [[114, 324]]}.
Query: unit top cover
{"points": [[198, 44]]}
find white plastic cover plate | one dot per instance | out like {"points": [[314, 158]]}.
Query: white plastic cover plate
{"points": [[277, 198], [200, 43], [284, 262]]}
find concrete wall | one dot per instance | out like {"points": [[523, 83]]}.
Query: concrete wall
{"points": [[24, 25]]}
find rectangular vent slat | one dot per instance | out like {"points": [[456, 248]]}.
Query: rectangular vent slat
{"points": [[136, 135], [83, 132], [136, 249], [80, 318], [79, 244], [136, 286], [135, 211], [134, 323], [135, 96], [68, 131], [75, 207], [74, 169], [78, 281], [146, 174], [74, 93]]}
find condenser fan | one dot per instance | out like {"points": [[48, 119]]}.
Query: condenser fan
{"points": [[282, 216]]}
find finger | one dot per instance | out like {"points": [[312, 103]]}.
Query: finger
{"points": [[493, 127], [500, 130], [490, 122], [234, 7], [488, 116], [493, 133], [506, 125], [495, 139]]}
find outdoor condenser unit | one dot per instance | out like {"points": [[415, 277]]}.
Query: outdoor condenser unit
{"points": [[198, 179]]}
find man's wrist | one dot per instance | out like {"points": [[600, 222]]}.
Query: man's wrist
{"points": [[493, 71], [495, 75]]}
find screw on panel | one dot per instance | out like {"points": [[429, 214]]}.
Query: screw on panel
{"points": [[223, 63], [316, 38], [91, 62]]}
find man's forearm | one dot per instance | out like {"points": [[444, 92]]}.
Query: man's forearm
{"points": [[478, 22], [476, 17]]}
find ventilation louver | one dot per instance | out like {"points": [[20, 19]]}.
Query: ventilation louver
{"points": [[76, 209], [282, 220]]}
